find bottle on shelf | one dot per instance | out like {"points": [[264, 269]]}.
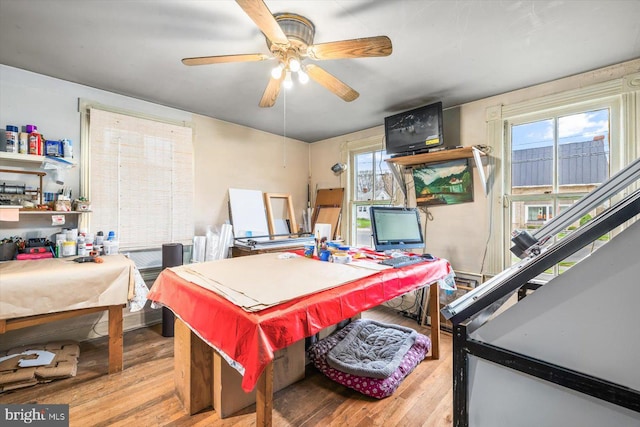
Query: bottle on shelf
{"points": [[12, 139], [35, 140], [23, 143]]}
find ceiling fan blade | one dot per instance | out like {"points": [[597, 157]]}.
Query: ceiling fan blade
{"points": [[331, 82], [204, 60], [356, 48], [271, 93], [263, 18]]}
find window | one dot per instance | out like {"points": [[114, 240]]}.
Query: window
{"points": [[555, 160], [537, 213], [139, 179], [372, 183]]}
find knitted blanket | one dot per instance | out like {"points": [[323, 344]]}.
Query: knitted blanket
{"points": [[372, 349]]}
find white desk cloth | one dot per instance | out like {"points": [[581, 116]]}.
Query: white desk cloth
{"points": [[33, 287]]}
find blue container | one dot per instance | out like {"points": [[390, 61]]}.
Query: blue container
{"points": [[52, 148]]}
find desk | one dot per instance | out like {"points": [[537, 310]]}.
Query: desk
{"points": [[41, 291], [256, 336]]}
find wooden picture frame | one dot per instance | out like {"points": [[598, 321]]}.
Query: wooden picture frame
{"points": [[293, 225]]}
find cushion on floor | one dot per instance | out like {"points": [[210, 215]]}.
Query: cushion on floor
{"points": [[374, 387], [372, 349]]}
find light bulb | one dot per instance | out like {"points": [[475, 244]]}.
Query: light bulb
{"points": [[276, 72], [294, 65], [303, 77], [288, 83]]}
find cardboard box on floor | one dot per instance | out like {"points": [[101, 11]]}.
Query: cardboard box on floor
{"points": [[229, 398]]}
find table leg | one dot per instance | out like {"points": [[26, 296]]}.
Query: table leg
{"points": [[264, 397], [193, 369], [115, 339], [434, 310]]}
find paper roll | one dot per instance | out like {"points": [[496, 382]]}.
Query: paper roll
{"points": [[226, 240], [199, 247]]}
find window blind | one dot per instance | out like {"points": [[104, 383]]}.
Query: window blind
{"points": [[140, 180]]}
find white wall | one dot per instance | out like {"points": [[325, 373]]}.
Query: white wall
{"points": [[233, 156]]}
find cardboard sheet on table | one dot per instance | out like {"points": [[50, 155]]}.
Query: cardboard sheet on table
{"points": [[235, 297], [288, 278], [371, 265]]}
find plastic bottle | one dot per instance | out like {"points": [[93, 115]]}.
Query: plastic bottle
{"points": [[67, 148], [23, 143], [35, 140], [99, 244], [12, 139], [81, 246]]}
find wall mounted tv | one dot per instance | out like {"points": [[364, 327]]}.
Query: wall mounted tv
{"points": [[414, 131]]}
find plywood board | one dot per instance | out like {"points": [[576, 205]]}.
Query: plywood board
{"points": [[328, 207], [247, 213], [328, 215], [330, 197]]}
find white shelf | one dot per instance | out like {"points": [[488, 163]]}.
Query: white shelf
{"points": [[17, 157], [43, 212], [32, 159]]}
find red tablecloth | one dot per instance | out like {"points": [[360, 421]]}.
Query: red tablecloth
{"points": [[252, 338]]}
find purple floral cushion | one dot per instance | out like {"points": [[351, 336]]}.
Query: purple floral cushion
{"points": [[374, 387]]}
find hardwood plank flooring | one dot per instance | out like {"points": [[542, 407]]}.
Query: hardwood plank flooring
{"points": [[143, 393]]}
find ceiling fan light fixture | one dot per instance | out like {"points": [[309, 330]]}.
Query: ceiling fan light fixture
{"points": [[288, 83], [294, 65], [303, 77], [276, 72]]}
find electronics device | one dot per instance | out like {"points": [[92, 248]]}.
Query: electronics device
{"points": [[395, 227], [414, 131], [404, 260]]}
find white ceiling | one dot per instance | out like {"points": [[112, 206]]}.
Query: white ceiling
{"points": [[453, 51]]}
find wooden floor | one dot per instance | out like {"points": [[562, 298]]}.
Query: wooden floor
{"points": [[143, 394]]}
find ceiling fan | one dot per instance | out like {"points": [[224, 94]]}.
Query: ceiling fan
{"points": [[290, 41]]}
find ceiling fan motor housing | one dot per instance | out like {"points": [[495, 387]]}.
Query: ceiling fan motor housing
{"points": [[298, 29]]}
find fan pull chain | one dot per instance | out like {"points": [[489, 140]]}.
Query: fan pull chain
{"points": [[284, 132]]}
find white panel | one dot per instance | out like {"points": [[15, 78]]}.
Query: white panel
{"points": [[586, 319], [501, 397], [247, 213]]}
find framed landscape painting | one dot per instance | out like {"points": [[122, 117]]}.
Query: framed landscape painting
{"points": [[446, 183]]}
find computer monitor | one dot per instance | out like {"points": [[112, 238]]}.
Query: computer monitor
{"points": [[396, 228]]}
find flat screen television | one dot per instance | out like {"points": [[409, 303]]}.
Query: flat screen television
{"points": [[414, 131], [396, 228]]}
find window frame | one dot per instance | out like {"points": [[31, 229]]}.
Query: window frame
{"points": [[556, 106], [349, 153]]}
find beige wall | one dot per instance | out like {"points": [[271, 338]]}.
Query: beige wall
{"points": [[460, 233], [233, 156]]}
